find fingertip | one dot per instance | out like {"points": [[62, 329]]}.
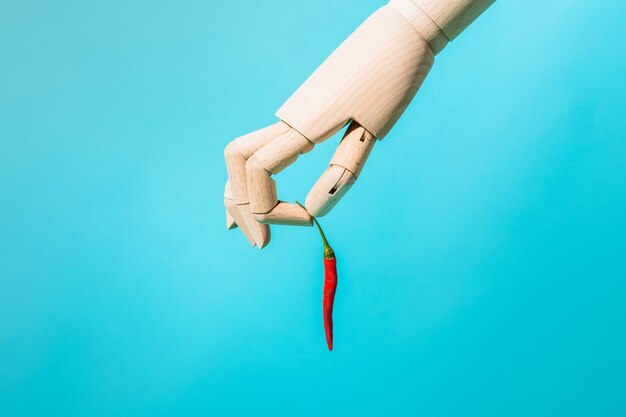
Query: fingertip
{"points": [[314, 204], [328, 190], [260, 232], [286, 214], [264, 240], [234, 211], [230, 221]]}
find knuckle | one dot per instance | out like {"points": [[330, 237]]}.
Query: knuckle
{"points": [[231, 150], [253, 165], [261, 217]]}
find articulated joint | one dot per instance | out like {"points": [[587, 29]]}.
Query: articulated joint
{"points": [[422, 23], [440, 21]]}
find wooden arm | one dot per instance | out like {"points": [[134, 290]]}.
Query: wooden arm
{"points": [[453, 16], [440, 21], [368, 81]]}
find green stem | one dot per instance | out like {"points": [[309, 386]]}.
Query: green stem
{"points": [[328, 251]]}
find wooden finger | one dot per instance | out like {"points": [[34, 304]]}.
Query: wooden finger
{"points": [[230, 221], [283, 151], [250, 143], [260, 232], [328, 190], [239, 150], [236, 166], [261, 188], [233, 209], [287, 214], [354, 149], [256, 233]]}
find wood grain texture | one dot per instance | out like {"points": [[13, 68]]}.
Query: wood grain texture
{"points": [[256, 233], [236, 166], [453, 16], [422, 23], [239, 150], [283, 151], [233, 210], [230, 221], [328, 190], [286, 214], [354, 149], [261, 188], [250, 143], [260, 232], [370, 78]]}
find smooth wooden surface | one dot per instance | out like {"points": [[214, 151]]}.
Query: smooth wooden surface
{"points": [[233, 210], [250, 143], [328, 190], [370, 78], [236, 155], [236, 166], [368, 81], [239, 150], [260, 232], [251, 160], [286, 214], [354, 149], [453, 16], [283, 151], [422, 23], [230, 221], [261, 188]]}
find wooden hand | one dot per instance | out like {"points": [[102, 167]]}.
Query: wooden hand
{"points": [[367, 82]]}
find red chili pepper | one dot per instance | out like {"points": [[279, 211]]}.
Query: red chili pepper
{"points": [[330, 285]]}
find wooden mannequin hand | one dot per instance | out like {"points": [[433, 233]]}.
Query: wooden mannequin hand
{"points": [[368, 82]]}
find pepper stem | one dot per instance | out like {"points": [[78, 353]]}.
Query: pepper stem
{"points": [[328, 251]]}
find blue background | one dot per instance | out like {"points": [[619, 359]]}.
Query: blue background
{"points": [[482, 253]]}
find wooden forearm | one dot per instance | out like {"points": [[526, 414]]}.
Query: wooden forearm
{"points": [[374, 74]]}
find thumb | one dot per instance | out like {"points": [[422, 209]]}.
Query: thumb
{"points": [[345, 166]]}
